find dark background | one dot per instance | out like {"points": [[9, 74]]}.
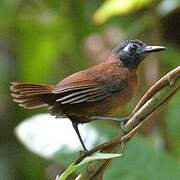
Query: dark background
{"points": [[44, 41]]}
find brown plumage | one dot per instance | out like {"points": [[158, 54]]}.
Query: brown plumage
{"points": [[96, 91]]}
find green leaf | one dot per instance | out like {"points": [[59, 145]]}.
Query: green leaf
{"points": [[98, 156], [67, 172], [88, 159], [118, 7]]}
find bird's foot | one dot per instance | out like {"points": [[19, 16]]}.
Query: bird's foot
{"points": [[122, 123], [83, 152]]}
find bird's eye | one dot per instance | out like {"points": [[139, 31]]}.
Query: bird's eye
{"points": [[133, 48]]}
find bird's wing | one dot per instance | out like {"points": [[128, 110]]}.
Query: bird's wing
{"points": [[86, 91], [79, 92]]}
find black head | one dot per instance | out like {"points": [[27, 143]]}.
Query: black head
{"points": [[132, 52]]}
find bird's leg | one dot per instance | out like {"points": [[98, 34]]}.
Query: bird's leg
{"points": [[122, 121], [103, 118], [75, 125]]}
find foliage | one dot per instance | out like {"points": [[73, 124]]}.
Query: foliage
{"points": [[118, 7], [44, 41], [74, 167], [142, 161]]}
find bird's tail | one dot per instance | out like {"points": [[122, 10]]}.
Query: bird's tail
{"points": [[31, 95]]}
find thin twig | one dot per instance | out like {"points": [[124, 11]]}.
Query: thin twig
{"points": [[167, 79], [154, 99]]}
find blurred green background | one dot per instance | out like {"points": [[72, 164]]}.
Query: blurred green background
{"points": [[44, 41]]}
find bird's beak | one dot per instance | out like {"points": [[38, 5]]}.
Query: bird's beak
{"points": [[150, 49]]}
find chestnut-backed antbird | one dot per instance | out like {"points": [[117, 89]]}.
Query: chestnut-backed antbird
{"points": [[91, 93]]}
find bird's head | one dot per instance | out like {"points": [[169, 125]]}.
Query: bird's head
{"points": [[132, 52]]}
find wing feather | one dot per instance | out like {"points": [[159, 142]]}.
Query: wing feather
{"points": [[84, 97], [71, 95], [72, 87], [93, 98], [79, 92]]}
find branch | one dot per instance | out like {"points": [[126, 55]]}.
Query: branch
{"points": [[153, 100]]}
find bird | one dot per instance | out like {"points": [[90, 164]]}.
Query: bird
{"points": [[93, 93]]}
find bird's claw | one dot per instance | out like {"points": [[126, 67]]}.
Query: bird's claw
{"points": [[122, 123], [83, 152]]}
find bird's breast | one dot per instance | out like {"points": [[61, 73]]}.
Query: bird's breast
{"points": [[123, 85], [119, 99]]}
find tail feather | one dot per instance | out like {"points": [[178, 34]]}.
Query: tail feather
{"points": [[31, 95]]}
